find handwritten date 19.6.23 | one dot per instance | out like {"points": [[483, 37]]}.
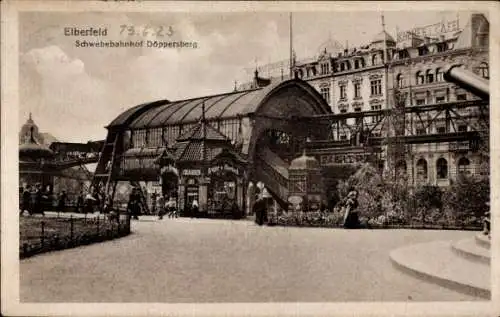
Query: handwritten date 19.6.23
{"points": [[159, 31]]}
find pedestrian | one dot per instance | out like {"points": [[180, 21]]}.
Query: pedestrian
{"points": [[194, 208], [61, 202], [161, 206], [351, 218], [258, 210], [79, 202], [26, 200], [38, 200], [154, 197]]}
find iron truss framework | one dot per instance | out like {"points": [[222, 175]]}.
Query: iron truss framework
{"points": [[369, 131]]}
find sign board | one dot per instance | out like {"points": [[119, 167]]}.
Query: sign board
{"points": [[225, 167], [432, 30], [191, 172], [295, 200]]}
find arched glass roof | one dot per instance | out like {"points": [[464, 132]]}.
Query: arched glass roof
{"points": [[162, 113]]}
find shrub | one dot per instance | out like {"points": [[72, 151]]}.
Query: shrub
{"points": [[466, 200]]}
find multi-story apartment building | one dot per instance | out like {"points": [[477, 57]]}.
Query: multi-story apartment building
{"points": [[364, 78]]}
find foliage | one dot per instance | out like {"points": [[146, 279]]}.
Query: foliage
{"points": [[377, 196], [467, 199], [425, 204], [307, 219]]}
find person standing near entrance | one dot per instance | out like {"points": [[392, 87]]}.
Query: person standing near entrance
{"points": [[194, 208], [259, 209]]}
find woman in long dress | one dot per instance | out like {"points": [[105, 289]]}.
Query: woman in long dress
{"points": [[351, 219]]}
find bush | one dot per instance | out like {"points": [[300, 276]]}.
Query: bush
{"points": [[466, 199], [425, 204]]}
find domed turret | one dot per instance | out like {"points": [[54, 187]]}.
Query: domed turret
{"points": [[25, 133], [31, 150], [331, 47], [304, 162]]}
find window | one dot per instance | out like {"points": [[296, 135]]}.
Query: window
{"points": [[462, 128], [343, 137], [483, 70], [400, 81], [342, 67], [421, 131], [422, 169], [464, 166], [423, 51], [360, 119], [376, 87], [325, 92], [356, 64], [376, 117], [462, 97], [420, 102], [441, 47], [441, 129], [420, 78], [442, 168], [429, 76], [343, 92], [324, 68], [439, 75], [439, 99], [401, 168], [403, 54], [357, 90], [374, 59]]}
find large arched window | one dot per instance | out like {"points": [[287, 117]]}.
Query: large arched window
{"points": [[439, 75], [400, 80], [463, 166], [422, 169], [442, 168], [429, 76], [420, 79]]}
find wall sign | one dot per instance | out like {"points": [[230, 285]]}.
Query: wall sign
{"points": [[432, 30]]}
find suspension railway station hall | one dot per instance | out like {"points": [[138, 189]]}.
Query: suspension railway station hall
{"points": [[216, 149]]}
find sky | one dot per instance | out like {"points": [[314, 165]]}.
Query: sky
{"points": [[74, 92]]}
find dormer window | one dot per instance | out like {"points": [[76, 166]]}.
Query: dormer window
{"points": [[423, 51]]}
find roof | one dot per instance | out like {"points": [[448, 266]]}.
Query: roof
{"points": [[196, 133], [383, 36], [233, 104]]}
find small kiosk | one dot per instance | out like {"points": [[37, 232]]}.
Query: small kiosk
{"points": [[306, 188], [211, 173]]}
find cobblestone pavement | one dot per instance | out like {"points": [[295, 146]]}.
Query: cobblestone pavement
{"points": [[201, 260]]}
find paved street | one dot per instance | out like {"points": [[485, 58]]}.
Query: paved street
{"points": [[199, 260]]}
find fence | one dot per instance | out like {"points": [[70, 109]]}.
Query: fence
{"points": [[50, 233]]}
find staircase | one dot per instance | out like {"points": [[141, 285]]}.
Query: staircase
{"points": [[143, 199], [463, 265], [273, 172], [105, 164]]}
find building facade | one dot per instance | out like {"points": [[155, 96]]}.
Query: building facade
{"points": [[365, 78]]}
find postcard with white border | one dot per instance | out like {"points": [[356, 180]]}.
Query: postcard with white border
{"points": [[249, 158]]}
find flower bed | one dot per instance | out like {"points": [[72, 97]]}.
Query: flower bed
{"points": [[45, 234]]}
